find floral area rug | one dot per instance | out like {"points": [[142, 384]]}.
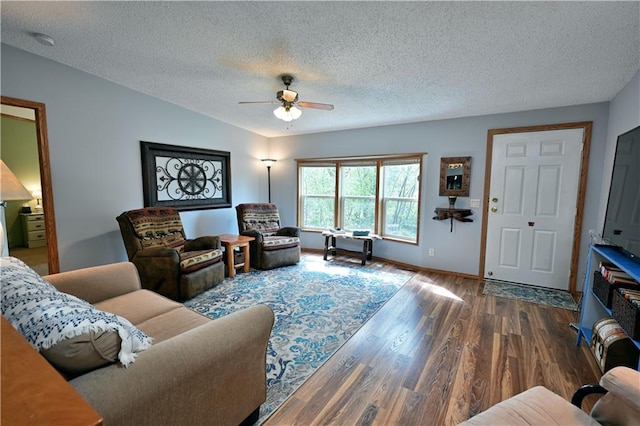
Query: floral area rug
{"points": [[318, 305], [543, 296]]}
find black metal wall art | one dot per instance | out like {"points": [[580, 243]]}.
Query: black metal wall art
{"points": [[185, 178]]}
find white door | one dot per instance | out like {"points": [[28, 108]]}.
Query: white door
{"points": [[532, 207]]}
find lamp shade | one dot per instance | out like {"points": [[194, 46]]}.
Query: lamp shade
{"points": [[10, 186], [268, 162]]}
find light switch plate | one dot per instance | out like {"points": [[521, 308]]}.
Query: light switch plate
{"points": [[474, 203]]}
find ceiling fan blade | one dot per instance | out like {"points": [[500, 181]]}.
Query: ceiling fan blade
{"points": [[261, 102], [327, 107]]}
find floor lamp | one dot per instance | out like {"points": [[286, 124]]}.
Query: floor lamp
{"points": [[10, 189], [269, 162]]}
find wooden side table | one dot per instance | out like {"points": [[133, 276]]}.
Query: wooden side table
{"points": [[230, 242]]}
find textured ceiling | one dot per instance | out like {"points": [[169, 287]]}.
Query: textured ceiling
{"points": [[377, 62]]}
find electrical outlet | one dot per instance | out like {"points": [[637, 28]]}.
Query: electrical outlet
{"points": [[432, 252], [474, 203]]}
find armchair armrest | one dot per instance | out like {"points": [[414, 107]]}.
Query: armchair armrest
{"points": [[202, 243], [159, 270], [215, 371], [625, 383], [255, 234], [98, 283], [160, 252], [290, 231]]}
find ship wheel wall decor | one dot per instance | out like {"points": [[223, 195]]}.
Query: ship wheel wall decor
{"points": [[185, 178]]}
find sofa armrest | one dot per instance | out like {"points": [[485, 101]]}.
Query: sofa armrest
{"points": [[290, 231], [98, 283], [202, 243], [216, 372]]}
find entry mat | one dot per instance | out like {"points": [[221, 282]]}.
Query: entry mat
{"points": [[543, 296]]}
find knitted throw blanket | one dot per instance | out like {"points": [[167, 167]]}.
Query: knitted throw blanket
{"points": [[45, 316]]}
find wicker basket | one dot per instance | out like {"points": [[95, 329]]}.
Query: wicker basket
{"points": [[604, 290], [627, 315]]}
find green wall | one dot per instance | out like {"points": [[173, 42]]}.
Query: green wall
{"points": [[19, 151]]}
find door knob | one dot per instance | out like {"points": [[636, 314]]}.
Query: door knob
{"points": [[494, 199], [494, 209]]}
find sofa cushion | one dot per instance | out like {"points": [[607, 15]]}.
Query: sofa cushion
{"points": [[138, 306], [277, 242], [45, 317], [191, 261], [172, 323]]}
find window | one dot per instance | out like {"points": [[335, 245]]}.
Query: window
{"points": [[377, 194], [358, 196], [400, 199], [317, 189]]}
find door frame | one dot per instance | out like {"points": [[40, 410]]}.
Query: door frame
{"points": [[45, 177], [587, 127]]}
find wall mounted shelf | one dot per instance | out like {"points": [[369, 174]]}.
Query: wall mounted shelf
{"points": [[444, 213]]}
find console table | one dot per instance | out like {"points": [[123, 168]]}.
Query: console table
{"points": [[367, 243]]}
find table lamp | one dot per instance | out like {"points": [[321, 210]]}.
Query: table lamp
{"points": [[10, 189]]}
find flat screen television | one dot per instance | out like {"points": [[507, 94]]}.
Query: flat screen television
{"points": [[622, 219]]}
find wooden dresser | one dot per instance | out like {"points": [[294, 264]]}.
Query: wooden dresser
{"points": [[33, 392]]}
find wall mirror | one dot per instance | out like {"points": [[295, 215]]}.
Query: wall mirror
{"points": [[455, 175], [43, 259]]}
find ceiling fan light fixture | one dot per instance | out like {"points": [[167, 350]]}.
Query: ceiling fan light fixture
{"points": [[287, 113], [295, 112]]}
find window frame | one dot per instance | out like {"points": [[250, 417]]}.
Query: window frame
{"points": [[379, 200]]}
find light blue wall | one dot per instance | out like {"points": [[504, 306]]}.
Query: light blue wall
{"points": [[95, 128], [458, 251]]}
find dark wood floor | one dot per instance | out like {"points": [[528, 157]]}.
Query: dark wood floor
{"points": [[439, 352]]}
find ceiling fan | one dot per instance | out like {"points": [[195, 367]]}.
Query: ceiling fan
{"points": [[288, 100]]}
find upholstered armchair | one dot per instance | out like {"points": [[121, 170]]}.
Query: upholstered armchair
{"points": [[167, 262], [274, 246]]}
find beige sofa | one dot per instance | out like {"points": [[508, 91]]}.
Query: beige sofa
{"points": [[197, 371]]}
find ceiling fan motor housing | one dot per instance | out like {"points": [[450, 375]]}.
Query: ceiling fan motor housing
{"points": [[287, 96]]}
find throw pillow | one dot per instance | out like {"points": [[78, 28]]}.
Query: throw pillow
{"points": [[47, 317]]}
